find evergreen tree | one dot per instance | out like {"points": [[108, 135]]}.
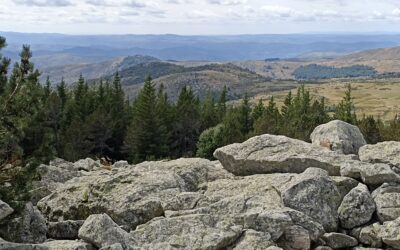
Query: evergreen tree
{"points": [[209, 115], [345, 111], [245, 117], [221, 107], [187, 124], [146, 134], [370, 129], [258, 111]]}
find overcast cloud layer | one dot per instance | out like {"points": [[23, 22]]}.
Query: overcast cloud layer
{"points": [[199, 16]]}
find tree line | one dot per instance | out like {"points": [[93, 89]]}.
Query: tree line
{"points": [[39, 122]]}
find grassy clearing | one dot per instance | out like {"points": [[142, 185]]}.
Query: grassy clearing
{"points": [[380, 98]]}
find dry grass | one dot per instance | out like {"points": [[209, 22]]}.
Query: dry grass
{"points": [[380, 98]]}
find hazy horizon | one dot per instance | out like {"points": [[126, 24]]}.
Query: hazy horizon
{"points": [[204, 17]]}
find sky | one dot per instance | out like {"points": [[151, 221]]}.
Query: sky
{"points": [[199, 17]]}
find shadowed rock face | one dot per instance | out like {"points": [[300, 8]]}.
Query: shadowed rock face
{"points": [[270, 192]]}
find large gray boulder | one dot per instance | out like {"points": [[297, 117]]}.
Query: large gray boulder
{"points": [[101, 231], [387, 200], [267, 154], [338, 136], [198, 231], [5, 210], [52, 176], [356, 208], [130, 196], [372, 174], [315, 194], [384, 152], [29, 227]]}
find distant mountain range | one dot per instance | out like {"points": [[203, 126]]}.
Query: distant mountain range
{"points": [[58, 49], [250, 64]]}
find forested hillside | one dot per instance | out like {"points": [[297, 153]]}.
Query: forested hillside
{"points": [[315, 72]]}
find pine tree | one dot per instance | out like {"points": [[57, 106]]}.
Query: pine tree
{"points": [[370, 129], [209, 115], [245, 118], [345, 110], [258, 111], [187, 124], [221, 107], [145, 134]]}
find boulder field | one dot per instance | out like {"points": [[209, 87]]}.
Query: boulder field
{"points": [[270, 192]]}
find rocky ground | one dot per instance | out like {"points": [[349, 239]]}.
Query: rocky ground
{"points": [[270, 192]]}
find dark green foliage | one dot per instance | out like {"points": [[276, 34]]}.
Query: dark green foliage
{"points": [[370, 129], [345, 110], [315, 72], [147, 135]]}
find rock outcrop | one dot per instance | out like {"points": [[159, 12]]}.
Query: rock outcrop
{"points": [[338, 136], [270, 192], [268, 154], [5, 210]]}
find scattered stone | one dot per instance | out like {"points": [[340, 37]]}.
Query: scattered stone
{"points": [[295, 238], [356, 208], [116, 246], [337, 240], [64, 230], [267, 154], [101, 231], [120, 164], [387, 200], [384, 152], [20, 246], [370, 235], [379, 173], [87, 164], [5, 210], [29, 227], [316, 195], [344, 185], [390, 233], [67, 245], [254, 240], [338, 136]]}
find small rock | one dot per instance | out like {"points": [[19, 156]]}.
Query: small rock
{"points": [[337, 240], [115, 246], [120, 164], [64, 230], [316, 196], [101, 231], [5, 210], [338, 136], [67, 245], [87, 164], [254, 240], [370, 235], [356, 208], [295, 238], [387, 200], [384, 152], [344, 185], [379, 173], [390, 233]]}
